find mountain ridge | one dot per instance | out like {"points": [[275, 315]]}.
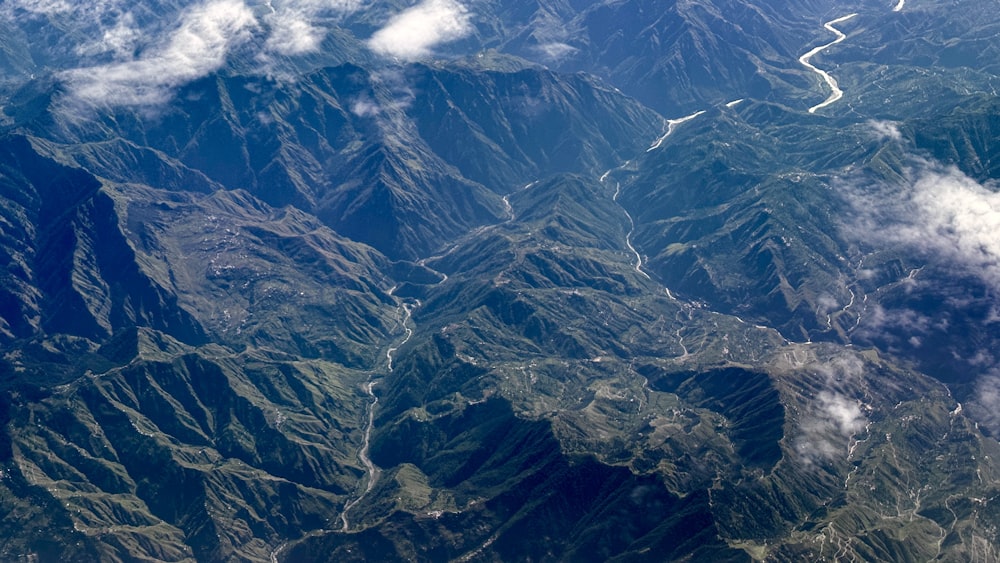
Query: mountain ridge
{"points": [[492, 307]]}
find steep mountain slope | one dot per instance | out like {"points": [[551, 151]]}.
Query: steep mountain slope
{"points": [[490, 307], [675, 57], [347, 144], [580, 351], [808, 224], [177, 450]]}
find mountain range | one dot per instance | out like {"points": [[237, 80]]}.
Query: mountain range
{"points": [[535, 280]]}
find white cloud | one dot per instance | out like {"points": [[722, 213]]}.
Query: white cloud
{"points": [[364, 107], [551, 34], [131, 58], [841, 369], [826, 303], [939, 213], [120, 40], [880, 321], [985, 405], [320, 6], [293, 33], [833, 420], [830, 421], [885, 130], [395, 83], [958, 218], [198, 46], [844, 414], [555, 51], [67, 12], [388, 101], [296, 26], [414, 32], [47, 7]]}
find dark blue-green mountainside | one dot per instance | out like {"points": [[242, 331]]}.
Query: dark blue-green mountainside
{"points": [[592, 281]]}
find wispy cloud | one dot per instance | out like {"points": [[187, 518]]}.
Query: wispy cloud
{"points": [[832, 419], [297, 26], [365, 107], [414, 32], [885, 130], [121, 40], [897, 325], [552, 35], [985, 403], [321, 6], [941, 217], [198, 46], [44, 6], [293, 33], [826, 432], [71, 16], [395, 96], [957, 218], [133, 60], [555, 51], [140, 64]]}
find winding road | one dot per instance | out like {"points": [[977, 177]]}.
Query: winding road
{"points": [[836, 92]]}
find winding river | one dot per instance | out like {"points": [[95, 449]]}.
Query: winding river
{"points": [[836, 93], [671, 123], [370, 469], [631, 229]]}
